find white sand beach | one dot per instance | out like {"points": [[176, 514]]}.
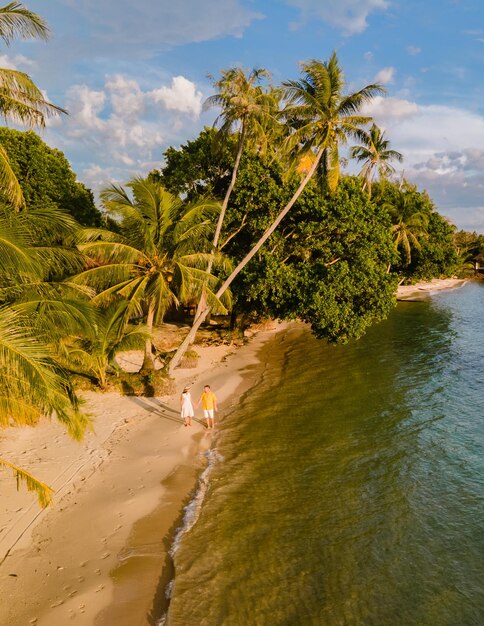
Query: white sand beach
{"points": [[423, 289], [57, 564]]}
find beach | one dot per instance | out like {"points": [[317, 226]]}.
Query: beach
{"points": [[98, 554], [423, 289]]}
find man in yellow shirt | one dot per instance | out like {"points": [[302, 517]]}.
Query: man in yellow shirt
{"points": [[209, 405]]}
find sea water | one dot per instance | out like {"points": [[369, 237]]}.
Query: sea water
{"points": [[347, 487]]}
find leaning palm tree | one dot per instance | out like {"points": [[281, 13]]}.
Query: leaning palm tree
{"points": [[320, 117], [249, 110], [375, 154], [158, 260], [20, 99], [245, 107]]}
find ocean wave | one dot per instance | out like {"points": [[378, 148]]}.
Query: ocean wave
{"points": [[193, 508]]}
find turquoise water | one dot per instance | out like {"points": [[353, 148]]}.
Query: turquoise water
{"points": [[347, 488]]}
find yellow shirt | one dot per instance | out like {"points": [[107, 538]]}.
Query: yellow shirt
{"points": [[208, 400]]}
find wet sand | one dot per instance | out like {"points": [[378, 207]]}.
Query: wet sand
{"points": [[99, 554]]}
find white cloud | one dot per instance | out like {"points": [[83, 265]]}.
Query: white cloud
{"points": [[390, 108], [368, 56], [127, 99], [146, 23], [413, 50], [121, 130], [348, 15], [84, 105], [443, 153], [385, 75], [16, 62], [181, 96]]}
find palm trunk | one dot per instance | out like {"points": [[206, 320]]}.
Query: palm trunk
{"points": [[225, 203], [148, 363], [202, 302], [200, 318]]}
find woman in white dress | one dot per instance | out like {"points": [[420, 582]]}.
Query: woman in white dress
{"points": [[186, 405]]}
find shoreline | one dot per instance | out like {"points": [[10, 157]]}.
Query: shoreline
{"points": [[142, 464], [423, 289]]}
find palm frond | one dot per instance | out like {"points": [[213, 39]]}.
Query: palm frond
{"points": [[9, 184], [43, 491], [22, 101], [99, 278], [17, 21], [29, 372]]}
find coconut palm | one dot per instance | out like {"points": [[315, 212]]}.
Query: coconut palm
{"points": [[375, 154], [409, 225], [248, 109], [320, 117], [157, 261], [32, 384], [245, 108], [96, 350]]}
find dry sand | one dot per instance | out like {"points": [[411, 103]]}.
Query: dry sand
{"points": [[99, 554], [424, 289]]}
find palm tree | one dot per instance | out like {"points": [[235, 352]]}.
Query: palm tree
{"points": [[245, 106], [320, 117], [32, 384], [96, 350], [375, 154], [408, 224], [157, 259], [20, 99], [247, 109]]}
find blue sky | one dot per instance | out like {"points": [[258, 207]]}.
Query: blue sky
{"points": [[134, 75]]}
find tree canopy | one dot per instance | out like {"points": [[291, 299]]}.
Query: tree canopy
{"points": [[46, 177]]}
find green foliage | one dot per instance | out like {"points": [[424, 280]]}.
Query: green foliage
{"points": [[199, 168], [326, 264], [158, 259], [95, 350], [423, 239], [468, 246], [190, 359], [17, 21], [375, 154], [436, 257], [46, 178]]}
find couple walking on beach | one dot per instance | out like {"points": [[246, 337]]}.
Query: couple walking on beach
{"points": [[209, 405]]}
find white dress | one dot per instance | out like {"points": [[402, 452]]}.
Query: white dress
{"points": [[187, 406]]}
